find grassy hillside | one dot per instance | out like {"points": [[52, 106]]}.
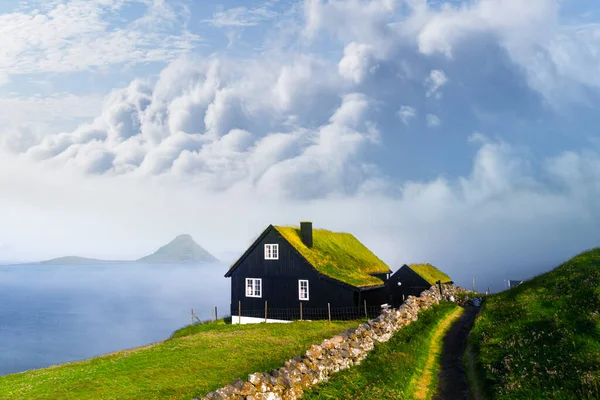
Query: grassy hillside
{"points": [[195, 361], [541, 340], [405, 367]]}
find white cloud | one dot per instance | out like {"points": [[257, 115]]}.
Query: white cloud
{"points": [[434, 83], [206, 123], [74, 36], [406, 113], [500, 208], [236, 144], [433, 120], [557, 57], [358, 61], [241, 17]]}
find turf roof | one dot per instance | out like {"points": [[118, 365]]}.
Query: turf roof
{"points": [[430, 273], [338, 255]]}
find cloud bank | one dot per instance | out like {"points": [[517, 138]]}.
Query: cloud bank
{"points": [[220, 146]]}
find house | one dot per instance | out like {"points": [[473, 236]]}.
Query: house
{"points": [[412, 280], [288, 269], [513, 283]]}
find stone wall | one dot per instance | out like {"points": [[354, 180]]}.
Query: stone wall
{"points": [[332, 355]]}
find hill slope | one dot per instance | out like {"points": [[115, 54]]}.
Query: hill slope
{"points": [[74, 260], [182, 249], [183, 367], [541, 340]]}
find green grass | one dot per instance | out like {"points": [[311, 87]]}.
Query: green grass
{"points": [[430, 273], [541, 340], [338, 255], [393, 370], [197, 360]]}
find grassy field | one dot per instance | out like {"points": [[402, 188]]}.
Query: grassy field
{"points": [[405, 367], [195, 361], [541, 340]]}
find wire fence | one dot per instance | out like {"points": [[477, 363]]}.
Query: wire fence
{"points": [[310, 313], [294, 314]]}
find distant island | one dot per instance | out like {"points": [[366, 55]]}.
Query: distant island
{"points": [[181, 250]]}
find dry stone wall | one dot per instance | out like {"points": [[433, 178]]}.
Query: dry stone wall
{"points": [[332, 355]]}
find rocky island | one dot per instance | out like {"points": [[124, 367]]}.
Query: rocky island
{"points": [[181, 250]]}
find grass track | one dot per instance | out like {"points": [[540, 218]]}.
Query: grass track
{"points": [[427, 381], [392, 369]]}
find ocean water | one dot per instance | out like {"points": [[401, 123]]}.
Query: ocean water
{"points": [[56, 314]]}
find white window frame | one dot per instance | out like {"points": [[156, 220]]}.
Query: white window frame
{"points": [[271, 252], [300, 282], [251, 289]]}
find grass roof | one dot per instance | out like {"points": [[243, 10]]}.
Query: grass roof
{"points": [[338, 255], [430, 273]]}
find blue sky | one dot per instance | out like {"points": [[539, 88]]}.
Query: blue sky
{"points": [[459, 133]]}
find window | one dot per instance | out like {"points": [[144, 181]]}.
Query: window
{"points": [[271, 252], [303, 289], [253, 287]]}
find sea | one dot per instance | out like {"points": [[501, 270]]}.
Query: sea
{"points": [[52, 314]]}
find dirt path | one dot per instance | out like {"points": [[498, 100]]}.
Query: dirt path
{"points": [[453, 384], [435, 349]]}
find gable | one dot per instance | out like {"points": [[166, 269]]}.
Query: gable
{"points": [[429, 273], [248, 251], [339, 256]]}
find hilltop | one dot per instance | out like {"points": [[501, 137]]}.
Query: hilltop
{"points": [[181, 250], [541, 339]]}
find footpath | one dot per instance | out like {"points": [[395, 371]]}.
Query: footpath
{"points": [[453, 383]]}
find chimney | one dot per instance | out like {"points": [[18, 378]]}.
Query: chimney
{"points": [[306, 233]]}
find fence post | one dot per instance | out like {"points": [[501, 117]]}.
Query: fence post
{"points": [[265, 311], [300, 311], [328, 311], [366, 314], [192, 316], [216, 314], [239, 312]]}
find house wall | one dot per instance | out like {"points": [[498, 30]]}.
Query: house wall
{"points": [[412, 285], [280, 282]]}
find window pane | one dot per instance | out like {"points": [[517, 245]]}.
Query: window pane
{"points": [[275, 250], [248, 287], [257, 287]]}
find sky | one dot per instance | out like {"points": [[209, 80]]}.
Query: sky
{"points": [[459, 133]]}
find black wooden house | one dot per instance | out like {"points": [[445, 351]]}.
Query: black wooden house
{"points": [[412, 279], [288, 269]]}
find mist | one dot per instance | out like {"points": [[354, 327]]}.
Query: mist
{"points": [[56, 314]]}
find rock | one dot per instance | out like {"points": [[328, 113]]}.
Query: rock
{"points": [[315, 352], [248, 389], [238, 384], [255, 378]]}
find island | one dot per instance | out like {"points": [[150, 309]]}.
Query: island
{"points": [[181, 250]]}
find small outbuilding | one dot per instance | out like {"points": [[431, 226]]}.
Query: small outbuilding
{"points": [[513, 283], [288, 269], [412, 279]]}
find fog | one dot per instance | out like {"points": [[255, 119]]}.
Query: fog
{"points": [[55, 314]]}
